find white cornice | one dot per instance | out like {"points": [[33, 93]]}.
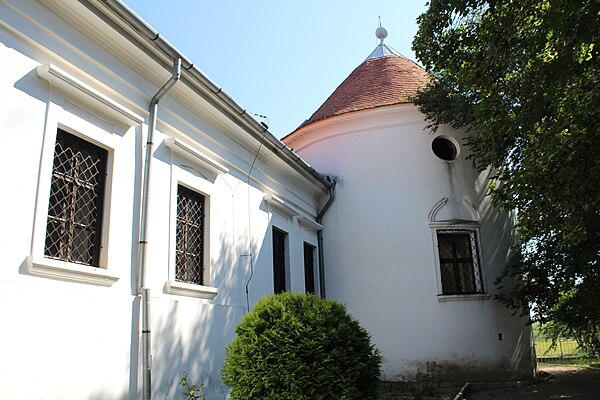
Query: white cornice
{"points": [[61, 270], [68, 83], [309, 223], [372, 114], [281, 205], [190, 290], [195, 155]]}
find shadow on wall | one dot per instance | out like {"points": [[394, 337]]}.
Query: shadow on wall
{"points": [[498, 225], [193, 339], [191, 334]]}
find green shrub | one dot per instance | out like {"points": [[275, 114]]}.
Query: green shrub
{"points": [[294, 347]]}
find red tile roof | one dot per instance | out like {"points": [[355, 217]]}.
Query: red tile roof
{"points": [[376, 82]]}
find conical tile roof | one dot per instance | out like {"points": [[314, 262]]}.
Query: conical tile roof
{"points": [[384, 78]]}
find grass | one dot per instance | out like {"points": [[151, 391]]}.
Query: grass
{"points": [[579, 362], [544, 348]]}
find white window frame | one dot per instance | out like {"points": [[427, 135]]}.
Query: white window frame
{"points": [[309, 227], [191, 173], [101, 134], [286, 257], [464, 226], [282, 216]]}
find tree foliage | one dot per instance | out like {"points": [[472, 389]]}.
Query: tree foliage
{"points": [[523, 78], [293, 347]]}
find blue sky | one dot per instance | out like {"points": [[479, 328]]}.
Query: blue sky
{"points": [[280, 58]]}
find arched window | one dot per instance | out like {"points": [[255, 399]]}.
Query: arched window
{"points": [[457, 255]]}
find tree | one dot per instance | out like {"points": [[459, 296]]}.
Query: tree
{"points": [[522, 77]]}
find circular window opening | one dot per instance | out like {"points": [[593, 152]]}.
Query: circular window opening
{"points": [[444, 148]]}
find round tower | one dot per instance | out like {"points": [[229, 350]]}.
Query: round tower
{"points": [[412, 244]]}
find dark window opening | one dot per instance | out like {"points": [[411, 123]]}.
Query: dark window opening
{"points": [[309, 270], [279, 239], [459, 262], [444, 148], [76, 202], [189, 251]]}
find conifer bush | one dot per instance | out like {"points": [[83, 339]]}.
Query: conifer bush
{"points": [[294, 346]]}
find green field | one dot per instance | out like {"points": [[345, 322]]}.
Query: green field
{"points": [[564, 348]]}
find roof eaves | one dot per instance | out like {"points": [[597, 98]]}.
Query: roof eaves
{"points": [[156, 43]]}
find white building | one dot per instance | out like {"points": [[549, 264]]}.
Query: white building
{"points": [[76, 83], [105, 296], [413, 245]]}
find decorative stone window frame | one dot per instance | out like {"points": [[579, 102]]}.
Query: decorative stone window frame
{"points": [[285, 235], [310, 227], [436, 225], [83, 111], [282, 217], [192, 168], [287, 217]]}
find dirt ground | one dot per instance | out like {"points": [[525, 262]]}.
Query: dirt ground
{"points": [[557, 382]]}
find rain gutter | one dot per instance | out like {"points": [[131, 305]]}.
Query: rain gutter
{"points": [[224, 101]]}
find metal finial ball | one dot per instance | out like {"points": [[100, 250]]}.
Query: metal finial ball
{"points": [[381, 33]]}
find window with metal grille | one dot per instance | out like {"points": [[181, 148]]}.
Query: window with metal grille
{"points": [[309, 269], [73, 232], [459, 261], [189, 252], [279, 238]]}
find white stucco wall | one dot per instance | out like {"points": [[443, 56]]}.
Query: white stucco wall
{"points": [[380, 250], [67, 339]]}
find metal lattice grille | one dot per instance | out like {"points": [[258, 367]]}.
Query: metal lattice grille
{"points": [[76, 201], [189, 254], [459, 262]]}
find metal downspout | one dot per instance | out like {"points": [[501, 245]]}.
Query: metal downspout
{"points": [[320, 215], [143, 242]]}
